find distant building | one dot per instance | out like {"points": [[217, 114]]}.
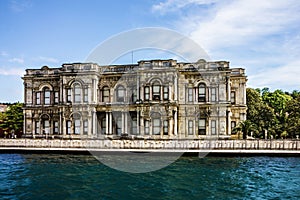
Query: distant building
{"points": [[151, 99], [3, 108]]}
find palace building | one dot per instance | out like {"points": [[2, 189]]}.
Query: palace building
{"points": [[153, 99]]}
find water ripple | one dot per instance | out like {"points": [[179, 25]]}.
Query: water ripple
{"points": [[83, 177]]}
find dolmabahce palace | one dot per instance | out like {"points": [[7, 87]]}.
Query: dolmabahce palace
{"points": [[153, 99]]}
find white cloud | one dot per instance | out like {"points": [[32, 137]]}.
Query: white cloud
{"points": [[263, 36], [243, 22], [17, 60], [20, 5], [3, 53], [174, 5], [47, 59], [11, 71], [283, 77]]}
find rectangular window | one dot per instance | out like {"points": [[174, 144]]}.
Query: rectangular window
{"points": [[121, 94], [166, 64], [134, 125], [147, 64], [86, 95], [38, 98], [103, 125], [213, 127], [55, 128], [202, 127], [156, 126], [69, 127], [147, 93], [77, 94], [105, 94], [85, 127], [232, 97], [213, 95], [47, 98], [77, 126], [37, 127], [69, 95], [190, 127], [166, 127], [56, 97], [166, 92], [201, 93], [46, 126], [133, 95], [156, 92], [190, 95], [119, 125], [147, 127]]}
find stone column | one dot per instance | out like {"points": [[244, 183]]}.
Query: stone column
{"points": [[176, 88], [90, 124], [33, 128], [94, 123], [228, 122], [138, 87], [142, 126], [171, 126], [63, 126], [110, 123], [125, 123], [138, 122], [244, 93], [175, 122], [228, 90], [106, 123], [196, 94]]}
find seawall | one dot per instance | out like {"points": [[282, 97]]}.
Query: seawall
{"points": [[214, 147]]}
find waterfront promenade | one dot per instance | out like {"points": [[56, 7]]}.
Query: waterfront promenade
{"points": [[192, 146]]}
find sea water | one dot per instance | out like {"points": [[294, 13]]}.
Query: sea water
{"points": [[55, 176]]}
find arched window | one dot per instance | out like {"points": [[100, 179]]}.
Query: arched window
{"points": [[77, 93], [105, 94], [120, 94], [201, 92], [156, 91], [46, 96]]}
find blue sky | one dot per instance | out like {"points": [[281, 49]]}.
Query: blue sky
{"points": [[261, 36]]}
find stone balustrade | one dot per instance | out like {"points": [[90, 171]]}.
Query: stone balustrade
{"points": [[152, 144]]}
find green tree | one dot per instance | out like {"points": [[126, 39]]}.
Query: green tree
{"points": [[246, 127], [292, 112], [12, 119], [259, 113], [295, 94], [276, 100]]}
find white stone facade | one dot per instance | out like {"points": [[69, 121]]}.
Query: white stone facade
{"points": [[152, 99]]}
